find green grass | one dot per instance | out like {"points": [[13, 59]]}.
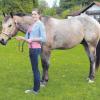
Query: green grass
{"points": [[67, 75]]}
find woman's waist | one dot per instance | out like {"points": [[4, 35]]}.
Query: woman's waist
{"points": [[35, 45]]}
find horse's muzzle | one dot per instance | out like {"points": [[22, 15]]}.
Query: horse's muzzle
{"points": [[3, 42]]}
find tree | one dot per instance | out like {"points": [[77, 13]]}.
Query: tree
{"points": [[86, 2], [18, 5], [55, 3], [35, 3], [42, 5], [67, 4]]}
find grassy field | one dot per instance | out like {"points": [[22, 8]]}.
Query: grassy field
{"points": [[67, 75]]}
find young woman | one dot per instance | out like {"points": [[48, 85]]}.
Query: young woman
{"points": [[34, 37]]}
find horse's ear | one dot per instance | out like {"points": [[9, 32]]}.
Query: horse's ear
{"points": [[3, 13], [11, 14]]}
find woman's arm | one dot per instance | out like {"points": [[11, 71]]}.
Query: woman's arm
{"points": [[42, 33], [21, 38]]}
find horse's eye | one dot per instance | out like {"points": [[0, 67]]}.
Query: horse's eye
{"points": [[10, 25]]}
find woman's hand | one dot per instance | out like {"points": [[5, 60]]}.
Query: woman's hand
{"points": [[20, 38]]}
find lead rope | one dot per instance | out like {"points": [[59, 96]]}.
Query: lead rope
{"points": [[22, 49], [21, 46]]}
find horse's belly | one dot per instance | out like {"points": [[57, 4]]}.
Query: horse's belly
{"points": [[65, 42], [67, 35]]}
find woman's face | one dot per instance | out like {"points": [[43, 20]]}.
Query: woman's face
{"points": [[35, 15]]}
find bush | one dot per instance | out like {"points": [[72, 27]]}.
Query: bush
{"points": [[65, 13], [49, 12], [71, 10]]}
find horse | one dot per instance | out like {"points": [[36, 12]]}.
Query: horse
{"points": [[61, 34]]}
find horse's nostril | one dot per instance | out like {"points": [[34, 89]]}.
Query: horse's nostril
{"points": [[2, 40]]}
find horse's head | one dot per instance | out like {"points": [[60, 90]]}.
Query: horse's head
{"points": [[9, 29]]}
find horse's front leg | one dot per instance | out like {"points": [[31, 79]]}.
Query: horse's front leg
{"points": [[45, 56]]}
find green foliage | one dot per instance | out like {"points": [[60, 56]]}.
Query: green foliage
{"points": [[68, 4], [18, 5], [26, 6], [76, 8], [65, 13], [49, 11]]}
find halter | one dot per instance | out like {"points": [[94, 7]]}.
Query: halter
{"points": [[9, 36], [6, 35]]}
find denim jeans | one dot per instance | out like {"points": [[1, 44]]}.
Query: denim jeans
{"points": [[34, 54]]}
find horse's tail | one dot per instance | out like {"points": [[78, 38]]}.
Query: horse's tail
{"points": [[98, 55]]}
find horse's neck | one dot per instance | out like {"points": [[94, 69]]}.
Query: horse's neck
{"points": [[23, 23], [22, 27]]}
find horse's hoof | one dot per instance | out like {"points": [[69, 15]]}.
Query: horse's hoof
{"points": [[90, 81]]}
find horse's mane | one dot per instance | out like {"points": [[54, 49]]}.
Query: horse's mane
{"points": [[43, 18], [17, 14], [20, 14], [46, 18]]}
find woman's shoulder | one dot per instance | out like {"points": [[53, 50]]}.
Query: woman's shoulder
{"points": [[40, 22]]}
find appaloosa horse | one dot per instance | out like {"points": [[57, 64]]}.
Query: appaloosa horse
{"points": [[61, 34]]}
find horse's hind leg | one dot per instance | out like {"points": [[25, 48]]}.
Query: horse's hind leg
{"points": [[91, 52], [45, 56]]}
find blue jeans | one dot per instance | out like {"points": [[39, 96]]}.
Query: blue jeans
{"points": [[34, 54]]}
